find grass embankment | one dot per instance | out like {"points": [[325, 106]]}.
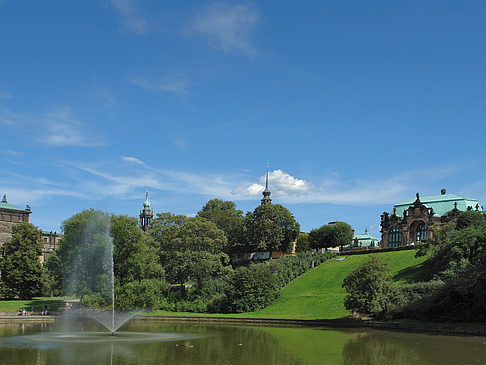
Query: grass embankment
{"points": [[318, 294], [54, 304]]}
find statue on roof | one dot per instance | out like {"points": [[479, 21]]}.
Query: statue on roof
{"points": [[4, 200]]}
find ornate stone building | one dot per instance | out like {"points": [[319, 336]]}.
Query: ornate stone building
{"points": [[50, 241], [411, 221], [146, 214], [11, 215]]}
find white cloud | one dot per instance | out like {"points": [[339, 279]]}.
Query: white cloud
{"points": [[282, 184], [104, 95], [181, 143], [130, 16], [173, 82], [133, 160], [228, 27], [12, 152], [334, 190], [94, 181], [55, 128], [5, 95], [61, 128]]}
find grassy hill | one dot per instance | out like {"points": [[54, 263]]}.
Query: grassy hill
{"points": [[318, 294]]}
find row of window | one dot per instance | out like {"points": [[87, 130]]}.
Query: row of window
{"points": [[395, 236]]}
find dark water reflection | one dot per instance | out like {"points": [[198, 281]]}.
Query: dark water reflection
{"points": [[237, 345]]}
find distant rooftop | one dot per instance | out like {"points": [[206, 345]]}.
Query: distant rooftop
{"points": [[5, 205], [441, 204]]}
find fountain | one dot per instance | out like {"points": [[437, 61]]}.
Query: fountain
{"points": [[93, 268]]}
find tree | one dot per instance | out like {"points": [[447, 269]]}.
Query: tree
{"points": [[193, 251], [140, 278], [369, 288], [303, 243], [22, 274], [163, 222], [227, 218], [331, 235], [250, 289], [82, 264], [270, 228], [470, 219]]}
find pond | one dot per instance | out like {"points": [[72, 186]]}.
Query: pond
{"points": [[153, 342]]}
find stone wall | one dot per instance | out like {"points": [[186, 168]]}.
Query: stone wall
{"points": [[9, 218]]}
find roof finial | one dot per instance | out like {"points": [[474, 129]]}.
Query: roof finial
{"points": [[266, 180], [4, 200]]}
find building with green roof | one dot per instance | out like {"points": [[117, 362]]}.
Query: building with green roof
{"points": [[11, 215], [410, 221]]}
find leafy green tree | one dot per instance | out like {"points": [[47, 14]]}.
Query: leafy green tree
{"points": [[331, 235], [193, 252], [140, 278], [22, 274], [82, 263], [53, 267], [303, 243], [227, 218], [163, 222], [457, 257], [470, 219], [250, 289], [270, 228], [369, 288]]}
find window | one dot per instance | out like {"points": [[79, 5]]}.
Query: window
{"points": [[421, 233], [395, 237]]}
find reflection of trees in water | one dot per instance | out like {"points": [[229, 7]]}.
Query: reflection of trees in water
{"points": [[221, 345], [397, 348], [376, 348]]}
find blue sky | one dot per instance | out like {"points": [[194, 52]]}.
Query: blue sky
{"points": [[356, 105]]}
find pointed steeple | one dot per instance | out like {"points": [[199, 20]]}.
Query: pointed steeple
{"points": [[266, 193]]}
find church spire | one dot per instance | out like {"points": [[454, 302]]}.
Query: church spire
{"points": [[146, 215], [266, 193]]}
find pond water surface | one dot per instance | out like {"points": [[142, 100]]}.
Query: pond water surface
{"points": [[150, 342]]}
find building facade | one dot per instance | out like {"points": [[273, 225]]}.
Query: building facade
{"points": [[410, 222], [50, 242], [11, 215]]}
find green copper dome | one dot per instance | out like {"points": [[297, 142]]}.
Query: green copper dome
{"points": [[146, 203]]}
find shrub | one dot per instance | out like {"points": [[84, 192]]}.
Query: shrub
{"points": [[370, 289], [250, 289]]}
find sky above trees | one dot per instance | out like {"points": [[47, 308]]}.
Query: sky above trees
{"points": [[355, 105]]}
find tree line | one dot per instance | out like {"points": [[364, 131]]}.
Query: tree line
{"points": [[182, 263]]}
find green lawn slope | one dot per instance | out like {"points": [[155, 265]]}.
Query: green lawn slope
{"points": [[318, 294]]}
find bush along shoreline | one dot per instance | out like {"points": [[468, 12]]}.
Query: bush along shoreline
{"points": [[247, 288]]}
